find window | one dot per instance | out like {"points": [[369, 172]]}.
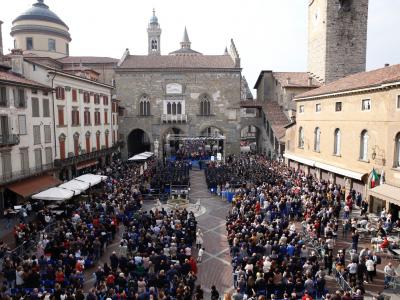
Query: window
{"points": [[317, 139], [364, 145], [97, 118], [6, 164], [398, 102], [205, 106], [47, 134], [29, 43], [76, 144], [61, 140], [38, 158], [301, 137], [96, 99], [48, 152], [98, 140], [3, 96], [36, 135], [86, 97], [301, 109], [46, 108], [87, 137], [105, 116], [60, 93], [61, 116], [338, 106], [67, 49], [154, 45], [19, 98], [75, 117], [22, 124], [105, 100], [106, 134], [397, 153], [35, 107], [144, 106], [318, 107], [74, 95], [86, 117], [336, 142], [366, 104], [24, 159], [52, 45]]}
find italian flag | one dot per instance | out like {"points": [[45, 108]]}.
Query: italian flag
{"points": [[374, 179]]}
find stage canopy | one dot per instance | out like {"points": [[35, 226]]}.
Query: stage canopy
{"points": [[91, 179], [76, 186], [54, 194], [141, 156]]}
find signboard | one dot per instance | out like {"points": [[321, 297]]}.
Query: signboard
{"points": [[219, 156], [212, 158]]}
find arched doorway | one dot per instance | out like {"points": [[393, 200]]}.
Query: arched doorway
{"points": [[214, 140], [138, 142], [250, 139], [171, 141]]}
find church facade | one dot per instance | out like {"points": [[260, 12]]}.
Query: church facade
{"points": [[184, 92]]}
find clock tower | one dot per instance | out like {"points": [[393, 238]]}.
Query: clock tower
{"points": [[154, 34], [337, 38]]}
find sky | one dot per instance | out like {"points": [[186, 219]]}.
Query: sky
{"points": [[269, 34]]}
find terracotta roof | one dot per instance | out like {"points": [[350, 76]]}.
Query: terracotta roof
{"points": [[357, 81], [180, 61], [296, 79], [13, 78], [87, 60], [276, 117]]}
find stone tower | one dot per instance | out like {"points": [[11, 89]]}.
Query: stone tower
{"points": [[337, 38], [154, 34]]}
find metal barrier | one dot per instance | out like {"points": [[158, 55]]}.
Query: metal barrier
{"points": [[341, 280]]}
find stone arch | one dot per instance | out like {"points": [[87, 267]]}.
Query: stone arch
{"points": [[138, 141], [251, 138], [205, 126]]}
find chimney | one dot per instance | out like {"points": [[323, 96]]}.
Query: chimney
{"points": [[310, 83], [387, 65], [1, 41], [288, 80], [17, 61]]}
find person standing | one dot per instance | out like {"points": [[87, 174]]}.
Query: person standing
{"points": [[214, 293], [199, 239], [200, 255], [354, 240], [390, 273], [370, 264]]}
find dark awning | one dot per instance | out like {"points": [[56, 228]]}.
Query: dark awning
{"points": [[33, 185]]}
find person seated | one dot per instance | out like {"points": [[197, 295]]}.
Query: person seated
{"points": [[385, 244]]}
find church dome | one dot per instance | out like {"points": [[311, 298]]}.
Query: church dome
{"points": [[41, 12], [154, 19]]}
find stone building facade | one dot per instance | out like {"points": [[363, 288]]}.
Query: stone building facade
{"points": [[337, 38], [184, 92]]}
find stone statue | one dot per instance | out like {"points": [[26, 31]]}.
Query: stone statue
{"points": [[156, 144]]}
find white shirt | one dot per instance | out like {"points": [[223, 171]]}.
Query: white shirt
{"points": [[369, 264], [201, 251]]}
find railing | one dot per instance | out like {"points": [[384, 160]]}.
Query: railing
{"points": [[9, 140], [12, 176], [59, 163], [174, 118]]}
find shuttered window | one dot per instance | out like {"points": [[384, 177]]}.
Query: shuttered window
{"points": [[46, 108], [36, 135], [35, 107], [49, 155], [22, 124], [38, 158], [47, 134], [24, 159], [6, 164], [61, 116]]}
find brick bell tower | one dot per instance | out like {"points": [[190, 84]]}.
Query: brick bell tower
{"points": [[337, 38]]}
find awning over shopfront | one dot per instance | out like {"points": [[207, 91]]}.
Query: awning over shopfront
{"points": [[33, 185], [141, 156], [299, 159], [340, 171], [86, 164], [91, 179], [75, 186], [386, 192], [326, 167], [54, 194]]}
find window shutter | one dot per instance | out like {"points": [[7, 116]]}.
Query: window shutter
{"points": [[62, 149], [74, 95]]}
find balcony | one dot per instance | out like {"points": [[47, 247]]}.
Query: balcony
{"points": [[22, 174], [69, 161], [9, 140], [170, 119]]}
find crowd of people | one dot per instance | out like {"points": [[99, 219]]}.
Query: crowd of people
{"points": [[175, 173], [196, 150]]}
